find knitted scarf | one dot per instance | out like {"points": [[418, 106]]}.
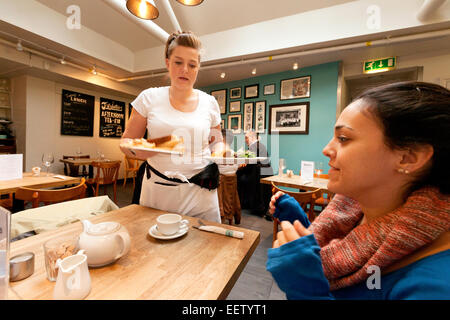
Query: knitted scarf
{"points": [[347, 250]]}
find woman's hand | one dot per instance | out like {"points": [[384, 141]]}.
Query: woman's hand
{"points": [[290, 233], [273, 200]]}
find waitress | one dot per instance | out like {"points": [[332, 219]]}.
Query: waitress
{"points": [[186, 185]]}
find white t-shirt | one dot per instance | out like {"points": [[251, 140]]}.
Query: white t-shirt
{"points": [[194, 127]]}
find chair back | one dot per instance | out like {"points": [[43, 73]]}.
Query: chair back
{"points": [[72, 169], [108, 171], [131, 164], [303, 198], [35, 196]]}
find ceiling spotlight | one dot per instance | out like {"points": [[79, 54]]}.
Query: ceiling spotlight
{"points": [[295, 66], [190, 2], [144, 9], [19, 45], [94, 70], [62, 61], [222, 75], [254, 71]]}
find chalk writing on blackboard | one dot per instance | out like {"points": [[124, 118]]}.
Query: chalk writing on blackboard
{"points": [[112, 118], [77, 114]]}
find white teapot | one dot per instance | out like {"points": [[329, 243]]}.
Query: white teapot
{"points": [[104, 242]]}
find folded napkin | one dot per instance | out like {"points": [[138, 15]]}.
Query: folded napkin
{"points": [[287, 208]]}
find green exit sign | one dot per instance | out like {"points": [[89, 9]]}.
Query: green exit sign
{"points": [[379, 65]]}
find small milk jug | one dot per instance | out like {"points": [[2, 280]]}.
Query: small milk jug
{"points": [[73, 281], [5, 221]]}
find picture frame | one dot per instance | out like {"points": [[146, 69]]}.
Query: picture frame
{"points": [[269, 89], [235, 123], [260, 116], [221, 97], [235, 106], [251, 91], [235, 93], [248, 116], [295, 88], [290, 118]]}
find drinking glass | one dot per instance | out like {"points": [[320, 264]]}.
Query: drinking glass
{"points": [[100, 155], [47, 160], [281, 166], [318, 168], [78, 151]]}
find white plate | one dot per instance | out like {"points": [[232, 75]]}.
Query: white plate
{"points": [[153, 231], [232, 160], [152, 150]]}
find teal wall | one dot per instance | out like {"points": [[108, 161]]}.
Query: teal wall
{"points": [[322, 114]]}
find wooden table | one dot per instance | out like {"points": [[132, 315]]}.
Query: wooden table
{"points": [[84, 162], [296, 181], [41, 181], [198, 265]]}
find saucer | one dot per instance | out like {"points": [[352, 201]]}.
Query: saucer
{"points": [[153, 231]]}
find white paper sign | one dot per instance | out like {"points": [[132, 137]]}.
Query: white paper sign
{"points": [[11, 166], [307, 169]]}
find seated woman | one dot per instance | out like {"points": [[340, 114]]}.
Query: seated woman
{"points": [[385, 235]]}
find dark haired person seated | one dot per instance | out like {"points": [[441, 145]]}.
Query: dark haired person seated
{"points": [[386, 233], [254, 195]]}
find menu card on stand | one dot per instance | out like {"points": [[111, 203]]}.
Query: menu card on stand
{"points": [[307, 169], [11, 166]]}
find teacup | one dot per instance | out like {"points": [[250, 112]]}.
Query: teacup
{"points": [[36, 171], [170, 223]]}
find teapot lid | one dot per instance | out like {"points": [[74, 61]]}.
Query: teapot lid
{"points": [[103, 228]]}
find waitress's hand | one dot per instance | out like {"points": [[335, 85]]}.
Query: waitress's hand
{"points": [[290, 233], [273, 200], [134, 154]]}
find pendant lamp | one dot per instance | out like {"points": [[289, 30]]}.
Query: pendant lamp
{"points": [[144, 9], [190, 2]]}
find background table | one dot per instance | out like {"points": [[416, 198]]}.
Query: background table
{"points": [[41, 181], [296, 181], [198, 265]]}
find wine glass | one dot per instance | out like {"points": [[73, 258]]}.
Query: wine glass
{"points": [[100, 155], [318, 168], [78, 151], [281, 166], [47, 160]]}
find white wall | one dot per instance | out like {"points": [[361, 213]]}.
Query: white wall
{"points": [[43, 121]]}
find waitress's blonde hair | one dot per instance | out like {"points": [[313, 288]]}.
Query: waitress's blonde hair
{"points": [[183, 38]]}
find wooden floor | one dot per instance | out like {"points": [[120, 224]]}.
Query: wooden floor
{"points": [[255, 282]]}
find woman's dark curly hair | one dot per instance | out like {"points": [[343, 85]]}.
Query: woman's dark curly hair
{"points": [[412, 114]]}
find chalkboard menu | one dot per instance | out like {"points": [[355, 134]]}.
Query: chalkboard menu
{"points": [[112, 118], [77, 114]]}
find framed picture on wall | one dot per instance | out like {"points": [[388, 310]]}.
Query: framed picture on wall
{"points": [[221, 97], [248, 116], [295, 88], [260, 116], [251, 91], [269, 89], [290, 118], [235, 106], [235, 93], [234, 123]]}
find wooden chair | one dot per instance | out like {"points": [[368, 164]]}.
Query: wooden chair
{"points": [[131, 167], [322, 201], [36, 196], [106, 173], [303, 198], [73, 170], [7, 203]]}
